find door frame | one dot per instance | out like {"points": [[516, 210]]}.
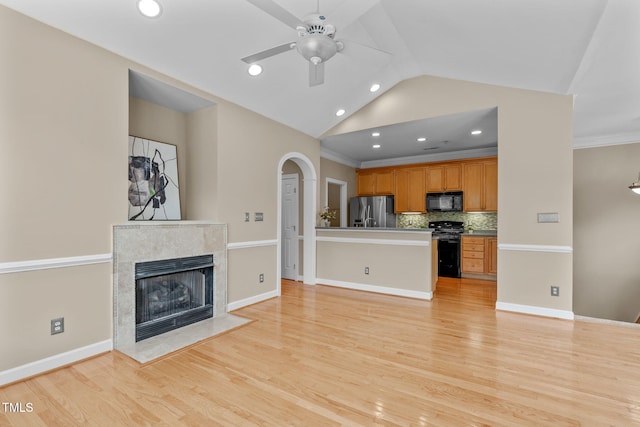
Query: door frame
{"points": [[293, 176], [309, 185], [343, 198]]}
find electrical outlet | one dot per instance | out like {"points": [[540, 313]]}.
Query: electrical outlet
{"points": [[57, 326], [555, 291], [366, 270], [261, 278]]}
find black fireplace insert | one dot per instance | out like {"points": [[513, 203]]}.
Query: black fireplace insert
{"points": [[173, 293]]}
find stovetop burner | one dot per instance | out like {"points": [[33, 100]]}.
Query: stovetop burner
{"points": [[449, 227]]}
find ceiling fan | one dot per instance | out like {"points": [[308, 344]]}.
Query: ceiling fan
{"points": [[316, 42]]}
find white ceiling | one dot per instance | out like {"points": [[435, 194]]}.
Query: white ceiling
{"points": [[589, 48]]}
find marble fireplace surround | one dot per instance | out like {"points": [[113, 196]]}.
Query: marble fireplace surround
{"points": [[150, 241]]}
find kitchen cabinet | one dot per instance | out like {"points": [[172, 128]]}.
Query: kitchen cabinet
{"points": [[444, 177], [375, 182], [409, 190], [492, 253], [479, 255], [480, 185]]}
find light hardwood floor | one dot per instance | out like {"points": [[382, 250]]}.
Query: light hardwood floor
{"points": [[322, 356]]}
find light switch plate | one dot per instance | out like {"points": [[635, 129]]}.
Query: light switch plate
{"points": [[548, 217]]}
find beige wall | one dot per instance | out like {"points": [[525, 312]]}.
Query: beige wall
{"points": [[344, 261], [64, 142], [202, 173], [606, 239], [152, 121], [65, 110], [535, 173]]}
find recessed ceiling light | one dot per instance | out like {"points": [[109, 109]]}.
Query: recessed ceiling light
{"points": [[149, 8], [374, 87], [254, 70], [476, 132], [422, 139], [340, 112], [375, 134], [376, 145]]}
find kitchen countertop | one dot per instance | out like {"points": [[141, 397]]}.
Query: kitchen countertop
{"points": [[378, 229], [481, 233]]}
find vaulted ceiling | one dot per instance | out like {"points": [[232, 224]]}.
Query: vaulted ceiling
{"points": [[588, 48]]}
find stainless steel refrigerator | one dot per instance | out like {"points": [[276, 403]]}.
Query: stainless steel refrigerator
{"points": [[372, 211]]}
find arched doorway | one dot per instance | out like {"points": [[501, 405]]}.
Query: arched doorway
{"points": [[309, 186]]}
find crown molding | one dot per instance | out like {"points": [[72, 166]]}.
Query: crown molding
{"points": [[337, 157], [426, 158], [606, 140]]}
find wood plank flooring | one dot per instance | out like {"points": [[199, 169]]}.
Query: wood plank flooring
{"points": [[322, 356]]}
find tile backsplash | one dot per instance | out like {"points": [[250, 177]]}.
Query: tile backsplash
{"points": [[479, 221]]}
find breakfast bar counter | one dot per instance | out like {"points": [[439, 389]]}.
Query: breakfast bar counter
{"points": [[384, 260]]}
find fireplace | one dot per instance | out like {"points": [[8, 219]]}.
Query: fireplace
{"points": [[172, 293], [137, 246]]}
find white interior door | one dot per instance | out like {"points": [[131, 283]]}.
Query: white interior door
{"points": [[290, 227]]}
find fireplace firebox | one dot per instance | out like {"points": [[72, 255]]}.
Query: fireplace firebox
{"points": [[173, 293]]}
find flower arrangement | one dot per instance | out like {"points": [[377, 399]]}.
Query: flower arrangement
{"points": [[326, 214]]}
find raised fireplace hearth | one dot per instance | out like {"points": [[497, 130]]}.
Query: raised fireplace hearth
{"points": [[176, 273]]}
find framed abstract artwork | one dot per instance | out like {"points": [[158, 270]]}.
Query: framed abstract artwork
{"points": [[154, 193]]}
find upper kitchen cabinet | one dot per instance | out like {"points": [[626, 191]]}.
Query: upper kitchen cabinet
{"points": [[375, 182], [480, 185], [409, 191], [444, 177]]}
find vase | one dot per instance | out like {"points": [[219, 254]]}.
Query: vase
{"points": [[326, 223]]}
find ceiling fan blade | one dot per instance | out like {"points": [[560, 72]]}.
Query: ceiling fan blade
{"points": [[277, 11], [316, 74], [268, 53]]}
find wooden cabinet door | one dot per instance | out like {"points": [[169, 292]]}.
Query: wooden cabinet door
{"points": [[409, 190], [401, 201], [453, 177], [365, 183], [491, 185], [435, 179], [444, 177], [480, 186], [473, 187], [385, 182], [416, 193], [492, 255]]}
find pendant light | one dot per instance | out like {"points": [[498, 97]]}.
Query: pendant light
{"points": [[635, 187]]}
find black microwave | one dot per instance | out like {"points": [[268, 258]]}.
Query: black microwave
{"points": [[444, 202]]}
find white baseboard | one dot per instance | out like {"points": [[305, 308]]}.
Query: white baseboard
{"points": [[376, 289], [54, 362], [252, 300], [538, 311]]}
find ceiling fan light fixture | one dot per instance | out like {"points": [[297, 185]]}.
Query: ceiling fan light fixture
{"points": [[316, 47], [254, 70], [149, 8]]}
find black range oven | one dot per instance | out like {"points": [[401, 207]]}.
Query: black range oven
{"points": [[448, 234]]}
